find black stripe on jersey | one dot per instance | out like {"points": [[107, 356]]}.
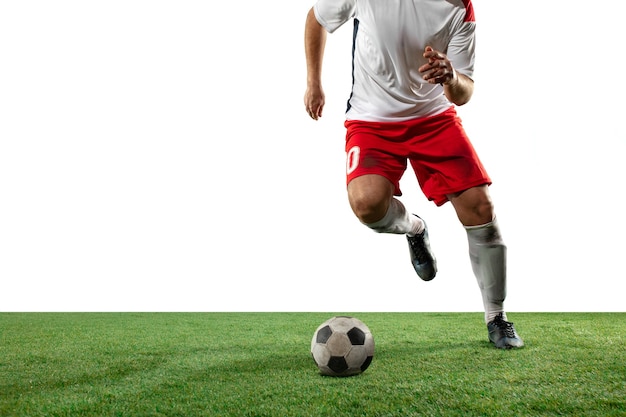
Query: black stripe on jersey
{"points": [[354, 32]]}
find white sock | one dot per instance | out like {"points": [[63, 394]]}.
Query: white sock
{"points": [[492, 315], [488, 257], [418, 226], [398, 220]]}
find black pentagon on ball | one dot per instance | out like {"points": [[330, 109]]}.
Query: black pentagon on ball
{"points": [[357, 336], [366, 364], [323, 334], [338, 364]]}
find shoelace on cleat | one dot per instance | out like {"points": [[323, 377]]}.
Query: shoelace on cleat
{"points": [[506, 327], [418, 248]]}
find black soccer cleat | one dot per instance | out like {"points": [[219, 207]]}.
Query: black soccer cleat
{"points": [[503, 334], [422, 257]]}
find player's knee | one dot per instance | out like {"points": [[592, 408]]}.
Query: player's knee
{"points": [[478, 209], [483, 209], [368, 210], [368, 213], [369, 207]]}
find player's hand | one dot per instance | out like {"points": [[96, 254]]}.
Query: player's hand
{"points": [[439, 69], [314, 100]]}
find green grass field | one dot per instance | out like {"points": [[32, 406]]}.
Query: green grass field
{"points": [[258, 364]]}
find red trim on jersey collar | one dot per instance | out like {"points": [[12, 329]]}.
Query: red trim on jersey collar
{"points": [[469, 11]]}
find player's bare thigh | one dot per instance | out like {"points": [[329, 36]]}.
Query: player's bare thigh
{"points": [[473, 206], [369, 196]]}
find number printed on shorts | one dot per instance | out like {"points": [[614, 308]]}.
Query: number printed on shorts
{"points": [[352, 159]]}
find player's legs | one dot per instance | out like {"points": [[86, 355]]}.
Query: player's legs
{"points": [[487, 253], [448, 169], [486, 247], [372, 201], [376, 160], [375, 163]]}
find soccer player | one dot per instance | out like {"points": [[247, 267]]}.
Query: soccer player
{"points": [[412, 63]]}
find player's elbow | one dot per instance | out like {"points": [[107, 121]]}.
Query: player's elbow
{"points": [[460, 91], [460, 101], [457, 98]]}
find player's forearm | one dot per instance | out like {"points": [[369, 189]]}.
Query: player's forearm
{"points": [[314, 44], [459, 89]]}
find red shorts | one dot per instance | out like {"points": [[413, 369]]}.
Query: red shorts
{"points": [[441, 154]]}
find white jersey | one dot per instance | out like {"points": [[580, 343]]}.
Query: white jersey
{"points": [[388, 43]]}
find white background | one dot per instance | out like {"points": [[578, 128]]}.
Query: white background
{"points": [[156, 156]]}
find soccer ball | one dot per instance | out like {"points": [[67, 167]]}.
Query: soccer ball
{"points": [[342, 346]]}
